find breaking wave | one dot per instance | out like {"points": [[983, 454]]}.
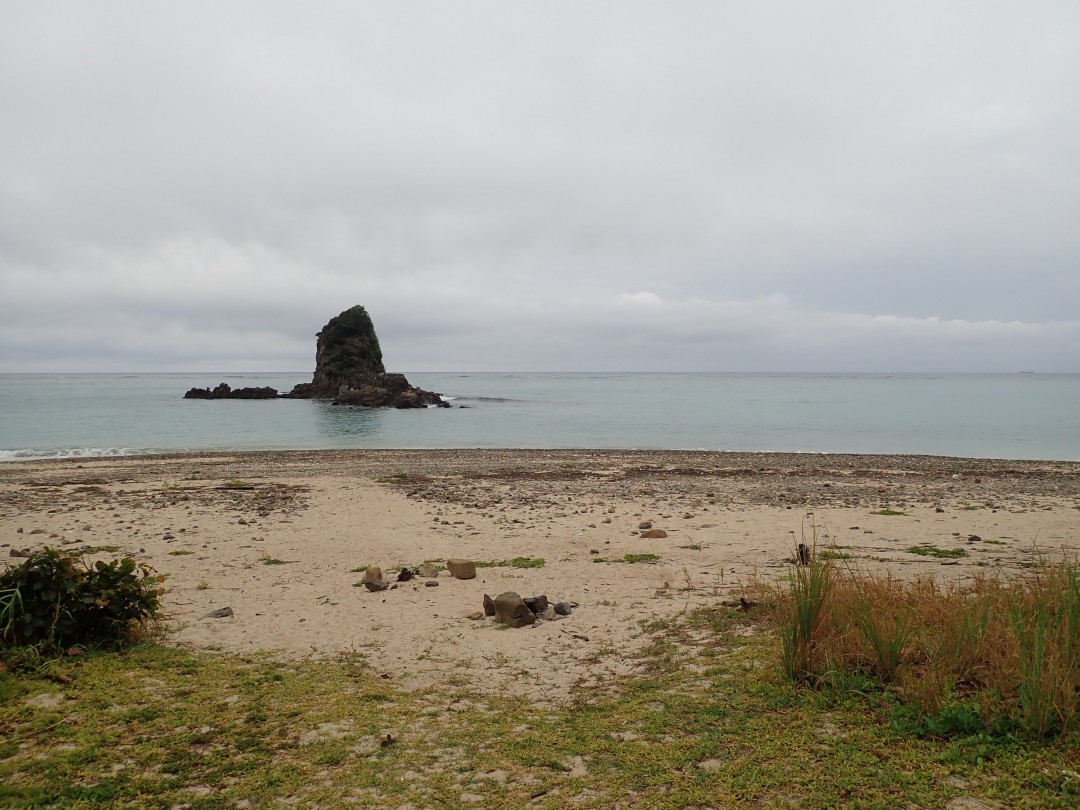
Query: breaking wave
{"points": [[70, 452]]}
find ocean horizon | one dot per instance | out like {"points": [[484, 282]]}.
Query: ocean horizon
{"points": [[1022, 415]]}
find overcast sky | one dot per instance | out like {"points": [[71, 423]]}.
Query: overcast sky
{"points": [[719, 186]]}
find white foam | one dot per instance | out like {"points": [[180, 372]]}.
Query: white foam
{"points": [[69, 452]]}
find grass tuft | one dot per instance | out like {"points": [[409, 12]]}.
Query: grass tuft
{"points": [[940, 553], [641, 558], [1010, 647], [516, 562]]}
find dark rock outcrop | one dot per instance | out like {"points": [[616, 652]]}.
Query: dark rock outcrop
{"points": [[349, 369], [224, 391]]}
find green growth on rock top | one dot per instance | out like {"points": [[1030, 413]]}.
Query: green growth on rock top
{"points": [[348, 343]]}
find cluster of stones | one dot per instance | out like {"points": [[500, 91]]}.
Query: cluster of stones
{"points": [[514, 611], [459, 569], [509, 607]]}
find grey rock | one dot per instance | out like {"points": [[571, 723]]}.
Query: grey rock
{"points": [[537, 604], [563, 608], [220, 613], [489, 606], [644, 525], [374, 585]]}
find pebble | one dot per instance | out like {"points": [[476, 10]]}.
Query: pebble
{"points": [[431, 583]]}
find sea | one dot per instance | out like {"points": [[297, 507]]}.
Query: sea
{"points": [[1007, 416]]}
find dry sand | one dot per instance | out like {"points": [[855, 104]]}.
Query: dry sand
{"points": [[286, 549]]}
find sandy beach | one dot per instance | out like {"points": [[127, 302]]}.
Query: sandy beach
{"points": [[283, 539]]}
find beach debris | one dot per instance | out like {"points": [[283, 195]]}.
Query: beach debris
{"points": [[461, 568], [803, 554], [645, 525], [742, 603], [489, 606], [511, 610], [405, 574], [578, 636], [220, 613]]}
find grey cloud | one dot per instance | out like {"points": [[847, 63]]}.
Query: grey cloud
{"points": [[238, 173]]}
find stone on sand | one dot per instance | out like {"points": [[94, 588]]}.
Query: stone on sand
{"points": [[511, 610], [461, 568]]}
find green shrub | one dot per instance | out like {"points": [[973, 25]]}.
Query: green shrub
{"points": [[55, 600]]}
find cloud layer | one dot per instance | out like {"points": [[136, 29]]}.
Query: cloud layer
{"points": [[624, 186]]}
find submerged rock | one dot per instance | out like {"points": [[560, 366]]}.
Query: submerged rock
{"points": [[225, 391]]}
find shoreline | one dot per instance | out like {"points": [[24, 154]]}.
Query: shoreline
{"points": [[283, 537], [306, 460]]}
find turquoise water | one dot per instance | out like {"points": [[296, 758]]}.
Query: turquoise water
{"points": [[1028, 416]]}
